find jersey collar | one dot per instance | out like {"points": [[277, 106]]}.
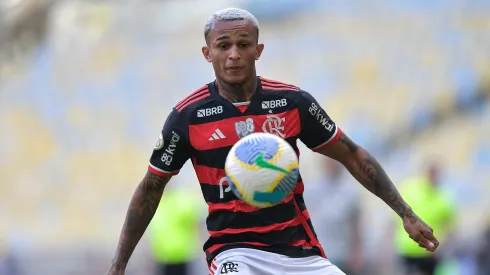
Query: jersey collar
{"points": [[254, 102]]}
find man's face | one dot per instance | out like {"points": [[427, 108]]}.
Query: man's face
{"points": [[433, 174], [232, 48]]}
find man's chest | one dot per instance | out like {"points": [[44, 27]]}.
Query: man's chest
{"points": [[219, 126]]}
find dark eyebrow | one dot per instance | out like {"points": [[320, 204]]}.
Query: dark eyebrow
{"points": [[223, 37]]}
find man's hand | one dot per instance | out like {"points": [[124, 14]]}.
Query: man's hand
{"points": [[420, 232], [367, 170]]}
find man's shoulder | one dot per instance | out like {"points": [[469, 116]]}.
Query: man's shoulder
{"points": [[274, 86], [193, 100]]}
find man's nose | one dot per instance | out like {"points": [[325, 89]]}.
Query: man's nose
{"points": [[234, 53]]}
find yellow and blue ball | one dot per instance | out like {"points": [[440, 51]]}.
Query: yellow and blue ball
{"points": [[262, 169]]}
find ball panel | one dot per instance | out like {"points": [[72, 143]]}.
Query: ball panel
{"points": [[248, 150], [288, 183], [269, 180]]}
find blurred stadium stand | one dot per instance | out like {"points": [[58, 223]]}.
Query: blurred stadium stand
{"points": [[406, 79]]}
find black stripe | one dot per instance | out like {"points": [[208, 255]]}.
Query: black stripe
{"points": [[280, 213], [308, 221], [300, 201], [278, 237], [211, 194], [215, 158]]}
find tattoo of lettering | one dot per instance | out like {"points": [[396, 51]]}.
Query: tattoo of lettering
{"points": [[370, 174], [142, 207]]}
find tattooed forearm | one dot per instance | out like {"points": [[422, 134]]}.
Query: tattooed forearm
{"points": [[366, 169], [142, 207]]}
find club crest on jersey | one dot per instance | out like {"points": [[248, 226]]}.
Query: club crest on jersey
{"points": [[229, 267], [273, 125], [244, 128], [160, 143]]}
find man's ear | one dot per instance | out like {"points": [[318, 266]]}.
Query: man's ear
{"points": [[260, 48], [206, 53]]}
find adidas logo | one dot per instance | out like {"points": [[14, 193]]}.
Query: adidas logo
{"points": [[217, 135]]}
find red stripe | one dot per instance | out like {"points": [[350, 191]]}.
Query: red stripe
{"points": [[192, 94], [238, 206], [306, 214], [276, 82], [260, 229], [162, 174], [212, 267], [278, 85], [332, 141], [209, 175], [299, 189], [200, 133], [284, 88], [300, 243], [309, 231], [191, 98], [204, 95], [235, 206]]}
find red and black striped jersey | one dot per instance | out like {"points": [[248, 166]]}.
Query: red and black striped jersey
{"points": [[204, 126]]}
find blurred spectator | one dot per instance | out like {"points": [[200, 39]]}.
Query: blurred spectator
{"points": [[484, 253], [174, 233], [335, 208], [428, 201]]}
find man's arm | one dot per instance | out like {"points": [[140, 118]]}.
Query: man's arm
{"points": [[366, 169], [142, 207]]}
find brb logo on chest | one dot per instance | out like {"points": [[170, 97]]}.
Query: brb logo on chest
{"points": [[168, 156], [210, 111], [271, 104]]}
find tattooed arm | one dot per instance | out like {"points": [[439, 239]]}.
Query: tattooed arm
{"points": [[366, 169], [141, 209]]}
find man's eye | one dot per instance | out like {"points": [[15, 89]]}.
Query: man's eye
{"points": [[243, 45], [223, 46]]}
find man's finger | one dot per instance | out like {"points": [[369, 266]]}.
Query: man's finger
{"points": [[429, 236], [427, 244]]}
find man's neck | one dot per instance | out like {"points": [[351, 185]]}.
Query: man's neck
{"points": [[237, 92]]}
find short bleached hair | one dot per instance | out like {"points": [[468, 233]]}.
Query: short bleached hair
{"points": [[230, 14]]}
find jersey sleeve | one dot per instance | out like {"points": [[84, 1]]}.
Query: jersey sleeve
{"points": [[318, 131], [173, 148]]}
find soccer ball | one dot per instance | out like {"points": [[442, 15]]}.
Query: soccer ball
{"points": [[262, 169]]}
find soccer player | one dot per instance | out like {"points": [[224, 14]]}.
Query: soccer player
{"points": [[247, 240]]}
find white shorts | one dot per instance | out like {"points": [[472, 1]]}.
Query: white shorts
{"points": [[244, 261]]}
